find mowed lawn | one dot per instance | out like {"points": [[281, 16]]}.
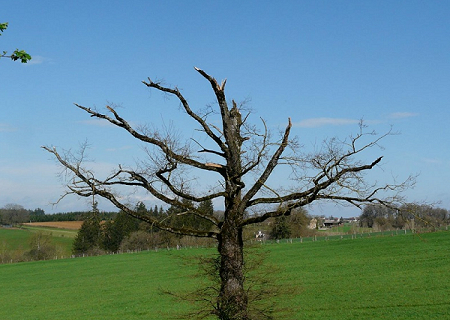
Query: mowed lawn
{"points": [[398, 277]]}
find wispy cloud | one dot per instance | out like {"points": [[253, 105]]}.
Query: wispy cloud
{"points": [[4, 127], [320, 122], [432, 161], [119, 149], [402, 115], [37, 60]]}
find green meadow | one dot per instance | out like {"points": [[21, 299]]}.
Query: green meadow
{"points": [[377, 277], [19, 239], [14, 239]]}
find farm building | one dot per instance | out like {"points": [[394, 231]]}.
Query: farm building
{"points": [[328, 223]]}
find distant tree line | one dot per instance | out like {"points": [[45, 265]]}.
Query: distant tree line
{"points": [[124, 232], [102, 232], [408, 216], [13, 214], [68, 216]]}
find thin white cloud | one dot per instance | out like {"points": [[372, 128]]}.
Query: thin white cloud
{"points": [[320, 122], [4, 127], [119, 149], [36, 60], [402, 115], [432, 161]]}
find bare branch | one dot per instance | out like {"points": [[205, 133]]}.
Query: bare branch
{"points": [[88, 186], [269, 168], [221, 154], [313, 191], [261, 148], [186, 107], [120, 122]]}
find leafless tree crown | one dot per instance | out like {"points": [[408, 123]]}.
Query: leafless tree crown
{"points": [[239, 157]]}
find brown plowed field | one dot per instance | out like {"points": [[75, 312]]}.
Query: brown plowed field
{"points": [[73, 225]]}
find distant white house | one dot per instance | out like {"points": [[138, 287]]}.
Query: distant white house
{"points": [[312, 224], [260, 236]]}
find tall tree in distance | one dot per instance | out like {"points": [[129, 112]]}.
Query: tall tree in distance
{"points": [[206, 208], [114, 231], [17, 54], [89, 236], [280, 228], [241, 157]]}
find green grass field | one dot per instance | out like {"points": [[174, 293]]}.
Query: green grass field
{"points": [[390, 277], [19, 239], [14, 239], [400, 277]]}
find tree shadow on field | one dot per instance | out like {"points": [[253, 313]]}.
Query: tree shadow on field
{"points": [[262, 283]]}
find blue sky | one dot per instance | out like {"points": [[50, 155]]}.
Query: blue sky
{"points": [[325, 64]]}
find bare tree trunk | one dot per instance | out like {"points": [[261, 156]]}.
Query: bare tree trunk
{"points": [[232, 300]]}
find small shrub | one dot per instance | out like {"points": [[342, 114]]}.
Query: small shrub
{"points": [[42, 247]]}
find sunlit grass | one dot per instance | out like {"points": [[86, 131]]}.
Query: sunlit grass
{"points": [[389, 277], [19, 239]]}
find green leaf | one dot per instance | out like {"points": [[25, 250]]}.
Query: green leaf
{"points": [[20, 55], [3, 26]]}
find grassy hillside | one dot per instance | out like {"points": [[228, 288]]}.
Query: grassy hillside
{"points": [[399, 277], [14, 238], [126, 286], [19, 239]]}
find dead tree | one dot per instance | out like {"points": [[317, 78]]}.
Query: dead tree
{"points": [[240, 157]]}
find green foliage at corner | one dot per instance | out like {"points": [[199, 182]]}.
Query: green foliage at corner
{"points": [[17, 54], [3, 26]]}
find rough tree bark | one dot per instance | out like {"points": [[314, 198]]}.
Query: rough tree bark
{"points": [[247, 158]]}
